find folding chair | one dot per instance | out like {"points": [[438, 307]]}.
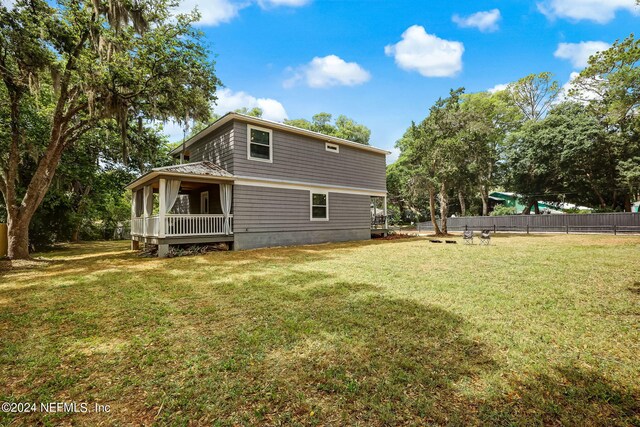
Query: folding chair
{"points": [[467, 237], [485, 237]]}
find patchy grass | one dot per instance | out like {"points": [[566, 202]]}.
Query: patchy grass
{"points": [[531, 330]]}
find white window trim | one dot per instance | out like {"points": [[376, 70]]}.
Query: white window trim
{"points": [[311, 193], [270, 132], [332, 148], [202, 197]]}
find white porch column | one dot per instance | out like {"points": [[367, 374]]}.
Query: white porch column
{"points": [[163, 207], [133, 204], [386, 219], [146, 213]]}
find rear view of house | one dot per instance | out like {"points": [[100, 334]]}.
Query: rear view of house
{"points": [[255, 183]]}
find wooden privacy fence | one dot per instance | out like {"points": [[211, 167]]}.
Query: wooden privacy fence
{"points": [[614, 223], [4, 240]]}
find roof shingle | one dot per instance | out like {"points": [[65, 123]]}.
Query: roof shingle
{"points": [[197, 168]]}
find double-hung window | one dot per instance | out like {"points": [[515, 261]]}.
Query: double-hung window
{"points": [[260, 144], [319, 206]]}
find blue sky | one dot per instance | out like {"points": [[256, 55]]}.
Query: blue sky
{"points": [[383, 63]]}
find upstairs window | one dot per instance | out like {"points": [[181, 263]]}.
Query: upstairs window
{"points": [[260, 144], [319, 206]]}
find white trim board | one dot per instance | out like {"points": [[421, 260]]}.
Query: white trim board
{"points": [[273, 125], [297, 185]]}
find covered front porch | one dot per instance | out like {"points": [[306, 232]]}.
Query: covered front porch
{"points": [[182, 204]]}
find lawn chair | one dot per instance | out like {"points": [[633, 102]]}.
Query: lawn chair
{"points": [[468, 237], [485, 237]]}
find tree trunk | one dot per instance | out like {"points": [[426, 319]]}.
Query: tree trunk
{"points": [[527, 209], [444, 208], [603, 204], [18, 233], [463, 207], [484, 194], [627, 203], [536, 207], [19, 213], [432, 210]]}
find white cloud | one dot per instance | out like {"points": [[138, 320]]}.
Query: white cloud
{"points": [[7, 3], [173, 130], [426, 53], [600, 11], [484, 21], [583, 95], [498, 87], [395, 153], [327, 71], [288, 3], [578, 53], [229, 100], [213, 12], [216, 12]]}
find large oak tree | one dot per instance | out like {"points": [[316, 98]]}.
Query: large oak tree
{"points": [[97, 61]]}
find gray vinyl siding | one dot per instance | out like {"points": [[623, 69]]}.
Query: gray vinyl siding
{"points": [[216, 148], [262, 209], [304, 159]]}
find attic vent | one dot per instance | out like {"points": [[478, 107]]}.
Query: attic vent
{"points": [[335, 148]]}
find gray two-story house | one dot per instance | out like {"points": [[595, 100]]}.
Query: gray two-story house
{"points": [[256, 183]]}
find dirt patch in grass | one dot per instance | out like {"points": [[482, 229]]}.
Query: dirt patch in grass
{"points": [[396, 236]]}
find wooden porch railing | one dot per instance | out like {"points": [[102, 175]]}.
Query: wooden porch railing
{"points": [[182, 225]]}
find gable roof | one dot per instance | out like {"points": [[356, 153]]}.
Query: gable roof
{"points": [[198, 169], [273, 125]]}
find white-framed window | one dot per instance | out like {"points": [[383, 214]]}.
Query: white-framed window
{"points": [[204, 202], [319, 206], [334, 148], [259, 144]]}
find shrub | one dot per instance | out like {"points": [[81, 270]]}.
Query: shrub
{"points": [[503, 210]]}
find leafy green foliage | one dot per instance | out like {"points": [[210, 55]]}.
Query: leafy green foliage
{"points": [[524, 139], [83, 65], [200, 125], [344, 127], [503, 210], [534, 94]]}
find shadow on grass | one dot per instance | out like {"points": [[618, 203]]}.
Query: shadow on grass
{"points": [[246, 339], [566, 395], [634, 288]]}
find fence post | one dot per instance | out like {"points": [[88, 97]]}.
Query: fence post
{"points": [[527, 228], [567, 229], [466, 227], [615, 229], [494, 228]]}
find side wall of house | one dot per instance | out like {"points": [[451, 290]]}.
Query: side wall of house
{"points": [[304, 159], [265, 216], [216, 147]]}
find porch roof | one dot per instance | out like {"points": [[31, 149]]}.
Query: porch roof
{"points": [[199, 170]]}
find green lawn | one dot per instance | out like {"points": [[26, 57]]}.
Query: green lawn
{"points": [[532, 330]]}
